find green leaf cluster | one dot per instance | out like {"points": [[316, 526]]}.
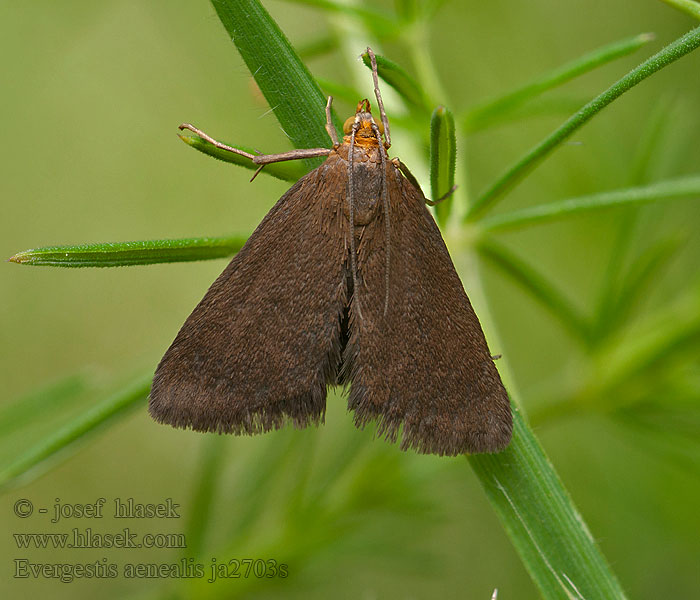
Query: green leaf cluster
{"points": [[536, 511]]}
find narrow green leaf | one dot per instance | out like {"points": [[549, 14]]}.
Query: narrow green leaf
{"points": [[497, 107], [41, 403], [662, 441], [614, 314], [284, 80], [290, 170], [443, 159], [407, 87], [663, 190], [627, 367], [651, 140], [120, 254], [628, 361], [537, 286], [542, 521], [541, 106], [648, 147], [689, 7], [675, 50], [115, 406], [642, 274]]}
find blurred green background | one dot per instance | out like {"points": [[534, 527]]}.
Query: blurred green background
{"points": [[92, 96]]}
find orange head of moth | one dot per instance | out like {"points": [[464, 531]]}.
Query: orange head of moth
{"points": [[363, 123]]}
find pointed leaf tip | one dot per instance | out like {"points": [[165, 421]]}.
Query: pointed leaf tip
{"points": [[19, 258]]}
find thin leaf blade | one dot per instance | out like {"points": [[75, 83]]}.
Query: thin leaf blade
{"points": [[514, 174], [497, 108], [683, 187], [113, 407], [122, 254], [24, 412]]}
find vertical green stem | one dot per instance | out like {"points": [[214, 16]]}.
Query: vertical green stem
{"points": [[541, 520]]}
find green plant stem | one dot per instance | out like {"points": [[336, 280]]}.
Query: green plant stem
{"points": [[115, 406], [675, 50], [542, 521], [540, 518], [416, 38], [664, 190], [121, 254], [418, 41]]}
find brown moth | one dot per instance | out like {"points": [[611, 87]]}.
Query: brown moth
{"points": [[346, 281]]}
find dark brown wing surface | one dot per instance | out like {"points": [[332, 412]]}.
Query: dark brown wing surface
{"points": [[424, 367], [260, 347]]}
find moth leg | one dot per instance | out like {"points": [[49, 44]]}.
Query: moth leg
{"points": [[260, 159], [332, 133], [445, 196], [378, 95], [257, 172], [404, 169]]}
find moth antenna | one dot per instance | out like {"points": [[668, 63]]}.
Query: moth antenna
{"points": [[351, 210], [332, 133], [387, 225], [378, 95]]}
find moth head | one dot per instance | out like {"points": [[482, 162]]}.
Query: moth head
{"points": [[363, 124]]}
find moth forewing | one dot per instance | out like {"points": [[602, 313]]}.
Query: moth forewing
{"points": [[346, 281]]}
